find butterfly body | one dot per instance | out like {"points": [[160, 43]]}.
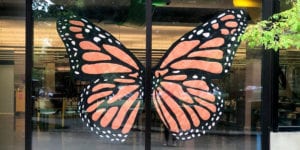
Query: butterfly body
{"points": [[183, 94]]}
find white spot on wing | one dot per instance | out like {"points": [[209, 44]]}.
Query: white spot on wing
{"points": [[206, 34], [97, 29], [214, 21], [84, 20], [176, 71], [199, 32], [97, 39], [195, 77], [233, 39], [221, 15], [89, 26], [102, 36], [87, 30]]}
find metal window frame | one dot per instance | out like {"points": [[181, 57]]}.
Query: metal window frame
{"points": [[148, 74], [28, 74]]}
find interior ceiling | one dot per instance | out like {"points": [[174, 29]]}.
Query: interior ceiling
{"points": [[170, 22]]}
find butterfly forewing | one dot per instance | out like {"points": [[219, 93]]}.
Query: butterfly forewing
{"points": [[184, 96], [94, 52], [209, 48], [110, 103]]}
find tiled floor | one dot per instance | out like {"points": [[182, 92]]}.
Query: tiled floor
{"points": [[12, 133], [77, 137], [83, 140]]}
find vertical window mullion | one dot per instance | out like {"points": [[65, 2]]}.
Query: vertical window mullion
{"points": [[270, 61], [148, 74], [28, 75]]}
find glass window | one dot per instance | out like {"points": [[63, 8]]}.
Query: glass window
{"points": [[239, 124], [89, 59], [289, 71], [73, 106], [12, 75]]}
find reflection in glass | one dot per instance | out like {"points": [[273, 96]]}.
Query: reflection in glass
{"points": [[289, 93], [57, 89], [12, 75], [239, 125]]}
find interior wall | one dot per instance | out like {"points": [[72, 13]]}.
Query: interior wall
{"points": [[284, 140], [7, 89]]}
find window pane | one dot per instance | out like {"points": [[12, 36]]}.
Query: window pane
{"points": [[289, 101], [12, 75], [238, 126], [65, 86]]}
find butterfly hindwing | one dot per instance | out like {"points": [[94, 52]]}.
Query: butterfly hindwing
{"points": [[184, 96], [190, 109], [110, 103], [110, 108]]}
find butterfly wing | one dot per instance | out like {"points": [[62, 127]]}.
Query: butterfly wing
{"points": [[184, 96], [110, 103]]}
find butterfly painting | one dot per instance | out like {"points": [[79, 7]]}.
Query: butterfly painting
{"points": [[183, 94]]}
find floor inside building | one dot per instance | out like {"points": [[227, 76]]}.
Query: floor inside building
{"points": [[74, 136]]}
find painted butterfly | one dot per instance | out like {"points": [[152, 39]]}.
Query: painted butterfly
{"points": [[183, 95]]}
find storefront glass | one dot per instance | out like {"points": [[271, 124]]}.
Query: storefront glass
{"points": [[289, 90], [67, 61], [56, 88], [12, 75]]}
